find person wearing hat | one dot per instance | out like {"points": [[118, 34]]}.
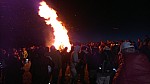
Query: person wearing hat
{"points": [[134, 67]]}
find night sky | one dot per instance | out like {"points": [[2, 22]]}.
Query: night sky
{"points": [[85, 20]]}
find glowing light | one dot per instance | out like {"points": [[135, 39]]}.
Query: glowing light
{"points": [[61, 38]]}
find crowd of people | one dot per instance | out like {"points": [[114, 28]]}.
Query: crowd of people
{"points": [[110, 62]]}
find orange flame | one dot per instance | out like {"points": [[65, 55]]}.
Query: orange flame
{"points": [[61, 38]]}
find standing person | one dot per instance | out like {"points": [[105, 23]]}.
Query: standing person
{"points": [[94, 61], [73, 62], [50, 62], [45, 61], [134, 68], [14, 69], [82, 64], [65, 62], [108, 64], [31, 53], [35, 68], [3, 60], [56, 58], [145, 48]]}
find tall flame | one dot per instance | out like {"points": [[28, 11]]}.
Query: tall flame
{"points": [[61, 38]]}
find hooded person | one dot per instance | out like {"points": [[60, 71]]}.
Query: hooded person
{"points": [[134, 67], [74, 60]]}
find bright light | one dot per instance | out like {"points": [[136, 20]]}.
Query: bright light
{"points": [[61, 38]]}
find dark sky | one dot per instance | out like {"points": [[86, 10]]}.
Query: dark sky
{"points": [[103, 19], [86, 20]]}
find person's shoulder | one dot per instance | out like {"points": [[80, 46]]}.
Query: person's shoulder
{"points": [[139, 54], [142, 54]]}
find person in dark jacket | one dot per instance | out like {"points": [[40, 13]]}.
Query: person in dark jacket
{"points": [[134, 67], [82, 63], [56, 58], [94, 61], [45, 61], [14, 69], [35, 68], [65, 63], [145, 48]]}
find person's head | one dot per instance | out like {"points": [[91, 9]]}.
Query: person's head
{"points": [[106, 48], [77, 48], [52, 48], [95, 50], [4, 51], [127, 47], [46, 49], [24, 49], [83, 47], [66, 48]]}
